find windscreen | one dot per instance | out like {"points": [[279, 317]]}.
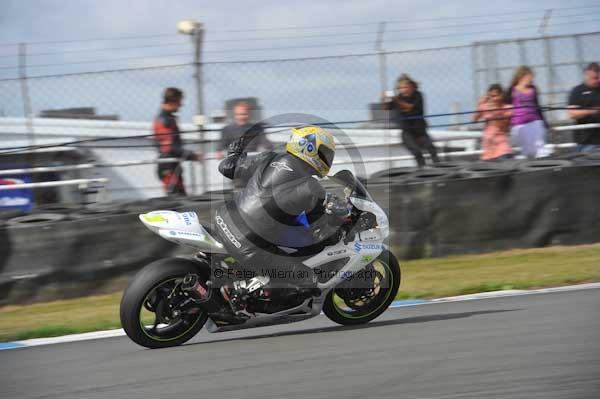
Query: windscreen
{"points": [[347, 179]]}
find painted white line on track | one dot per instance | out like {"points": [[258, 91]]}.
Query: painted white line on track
{"points": [[509, 293], [396, 304], [72, 338]]}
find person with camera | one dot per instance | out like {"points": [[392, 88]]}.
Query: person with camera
{"points": [[408, 108], [496, 133]]}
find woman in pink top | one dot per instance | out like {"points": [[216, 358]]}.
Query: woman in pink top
{"points": [[527, 121], [491, 109]]}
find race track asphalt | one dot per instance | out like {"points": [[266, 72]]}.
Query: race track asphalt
{"points": [[533, 346]]}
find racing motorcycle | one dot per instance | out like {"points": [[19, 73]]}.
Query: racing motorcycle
{"points": [[170, 300]]}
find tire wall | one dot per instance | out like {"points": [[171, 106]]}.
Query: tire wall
{"points": [[46, 256], [532, 204], [470, 210], [74, 257]]}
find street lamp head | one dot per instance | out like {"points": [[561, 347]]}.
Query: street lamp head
{"points": [[188, 26]]}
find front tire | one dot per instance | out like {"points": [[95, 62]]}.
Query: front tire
{"points": [[351, 306], [152, 292]]}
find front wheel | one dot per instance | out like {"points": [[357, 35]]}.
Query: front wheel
{"points": [[151, 314], [361, 300]]}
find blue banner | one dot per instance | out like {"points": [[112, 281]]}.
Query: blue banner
{"points": [[21, 199]]}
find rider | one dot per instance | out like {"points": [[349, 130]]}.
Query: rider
{"points": [[281, 204]]}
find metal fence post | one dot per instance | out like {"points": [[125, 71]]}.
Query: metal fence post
{"points": [[475, 66], [579, 52], [27, 111], [494, 49], [383, 87], [198, 35], [548, 55], [489, 64], [550, 68], [522, 53]]}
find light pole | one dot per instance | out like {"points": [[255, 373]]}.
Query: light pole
{"points": [[196, 30], [383, 87]]}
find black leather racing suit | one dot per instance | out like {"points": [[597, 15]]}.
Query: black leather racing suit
{"points": [[279, 203]]}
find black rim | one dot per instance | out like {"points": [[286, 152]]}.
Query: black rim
{"points": [[161, 316], [363, 302]]}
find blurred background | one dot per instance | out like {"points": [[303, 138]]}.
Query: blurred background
{"points": [[81, 83]]}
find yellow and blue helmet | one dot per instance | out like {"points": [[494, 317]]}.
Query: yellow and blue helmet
{"points": [[313, 145]]}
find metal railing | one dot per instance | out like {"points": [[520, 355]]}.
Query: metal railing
{"points": [[583, 126], [84, 166], [84, 183]]}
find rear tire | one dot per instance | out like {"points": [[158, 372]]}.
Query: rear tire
{"points": [[379, 302], [136, 296]]}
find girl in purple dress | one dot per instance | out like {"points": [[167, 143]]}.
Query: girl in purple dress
{"points": [[527, 121]]}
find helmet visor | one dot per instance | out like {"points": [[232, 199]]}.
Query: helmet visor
{"points": [[326, 154]]}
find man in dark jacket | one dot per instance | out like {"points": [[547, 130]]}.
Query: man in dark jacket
{"points": [[587, 97], [168, 139], [242, 126], [281, 204]]}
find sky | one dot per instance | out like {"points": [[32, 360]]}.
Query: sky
{"points": [[140, 33]]}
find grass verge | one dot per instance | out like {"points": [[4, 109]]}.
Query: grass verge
{"points": [[425, 278]]}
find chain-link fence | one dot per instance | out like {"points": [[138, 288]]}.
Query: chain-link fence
{"points": [[337, 88], [556, 61]]}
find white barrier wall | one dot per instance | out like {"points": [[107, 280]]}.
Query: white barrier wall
{"points": [[141, 181]]}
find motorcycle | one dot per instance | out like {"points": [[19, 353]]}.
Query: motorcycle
{"points": [[170, 300]]}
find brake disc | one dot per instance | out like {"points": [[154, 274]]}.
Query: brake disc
{"points": [[357, 298]]}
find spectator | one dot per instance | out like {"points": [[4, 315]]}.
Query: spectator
{"points": [[496, 114], [527, 121], [409, 110], [587, 95], [168, 139], [256, 139]]}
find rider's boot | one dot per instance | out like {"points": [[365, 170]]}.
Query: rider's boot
{"points": [[237, 294]]}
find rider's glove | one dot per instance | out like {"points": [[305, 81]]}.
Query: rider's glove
{"points": [[237, 147], [336, 206]]}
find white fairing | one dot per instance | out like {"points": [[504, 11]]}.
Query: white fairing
{"points": [[367, 246], [383, 224], [184, 228], [181, 228]]}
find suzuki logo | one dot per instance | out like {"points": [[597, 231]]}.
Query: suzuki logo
{"points": [[228, 234], [359, 247]]}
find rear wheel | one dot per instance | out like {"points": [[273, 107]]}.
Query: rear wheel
{"points": [[150, 311], [363, 299]]}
